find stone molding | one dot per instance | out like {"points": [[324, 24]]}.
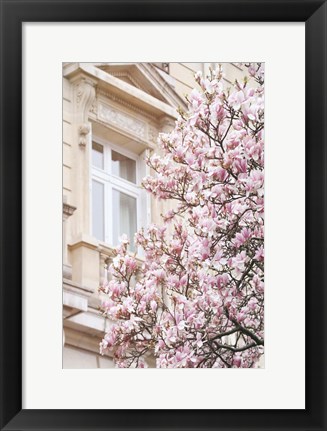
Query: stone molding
{"points": [[126, 122], [84, 241], [128, 76], [85, 96], [126, 91], [75, 301], [71, 286], [88, 322], [82, 340], [122, 120], [67, 210], [75, 298], [122, 102]]}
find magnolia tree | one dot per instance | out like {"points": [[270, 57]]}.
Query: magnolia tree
{"points": [[197, 300]]}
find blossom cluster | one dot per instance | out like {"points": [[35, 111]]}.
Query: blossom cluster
{"points": [[197, 300]]}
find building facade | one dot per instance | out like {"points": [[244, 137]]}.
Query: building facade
{"points": [[112, 115]]}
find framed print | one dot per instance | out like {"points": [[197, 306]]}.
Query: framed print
{"points": [[87, 87]]}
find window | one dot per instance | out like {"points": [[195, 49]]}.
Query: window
{"points": [[123, 166], [118, 202]]}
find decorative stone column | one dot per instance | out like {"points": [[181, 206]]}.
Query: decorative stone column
{"points": [[84, 95]]}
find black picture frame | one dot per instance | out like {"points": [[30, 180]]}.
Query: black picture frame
{"points": [[13, 14]]}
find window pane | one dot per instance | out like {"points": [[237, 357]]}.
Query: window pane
{"points": [[98, 210], [124, 216], [123, 167], [97, 155]]}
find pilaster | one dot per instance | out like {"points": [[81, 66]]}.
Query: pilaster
{"points": [[84, 95]]}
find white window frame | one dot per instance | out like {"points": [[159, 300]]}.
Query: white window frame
{"points": [[111, 182]]}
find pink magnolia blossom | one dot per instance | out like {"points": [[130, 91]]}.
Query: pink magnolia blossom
{"points": [[197, 300]]}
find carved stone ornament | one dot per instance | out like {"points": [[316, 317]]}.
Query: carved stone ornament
{"points": [[67, 210], [122, 120], [83, 131], [94, 108], [85, 97], [153, 135]]}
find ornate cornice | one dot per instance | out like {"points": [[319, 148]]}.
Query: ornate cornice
{"points": [[123, 102], [126, 75], [67, 210], [122, 120]]}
